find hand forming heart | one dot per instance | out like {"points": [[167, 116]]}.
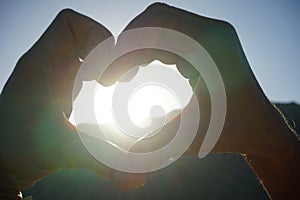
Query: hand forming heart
{"points": [[37, 139]]}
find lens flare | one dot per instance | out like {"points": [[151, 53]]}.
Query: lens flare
{"points": [[113, 145]]}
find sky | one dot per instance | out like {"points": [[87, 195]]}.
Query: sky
{"points": [[269, 32]]}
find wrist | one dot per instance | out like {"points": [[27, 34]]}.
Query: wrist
{"points": [[274, 157], [274, 135]]}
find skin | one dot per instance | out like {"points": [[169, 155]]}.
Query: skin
{"points": [[36, 137], [37, 97], [253, 126]]}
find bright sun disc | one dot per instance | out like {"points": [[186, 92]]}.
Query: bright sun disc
{"points": [[141, 101]]}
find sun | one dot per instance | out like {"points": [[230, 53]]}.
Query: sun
{"points": [[141, 102]]}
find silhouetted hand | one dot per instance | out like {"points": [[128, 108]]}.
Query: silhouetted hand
{"points": [[36, 137], [253, 126], [221, 42]]}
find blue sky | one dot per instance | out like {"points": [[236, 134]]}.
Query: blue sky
{"points": [[269, 32]]}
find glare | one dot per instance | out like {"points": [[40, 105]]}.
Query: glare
{"points": [[139, 104], [145, 98]]}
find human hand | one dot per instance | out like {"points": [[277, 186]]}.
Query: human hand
{"points": [[221, 42], [41, 89], [36, 137], [253, 126]]}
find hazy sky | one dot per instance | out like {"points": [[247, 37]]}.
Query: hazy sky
{"points": [[269, 31]]}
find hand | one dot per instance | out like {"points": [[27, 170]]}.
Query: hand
{"points": [[36, 137], [253, 125], [221, 42]]}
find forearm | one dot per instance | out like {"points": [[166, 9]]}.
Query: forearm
{"points": [[6, 191], [276, 160]]}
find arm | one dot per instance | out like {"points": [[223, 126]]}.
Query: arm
{"points": [[276, 160]]}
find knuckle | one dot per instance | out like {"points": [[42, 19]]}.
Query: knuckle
{"points": [[158, 8], [227, 30], [157, 5], [228, 27], [66, 12]]}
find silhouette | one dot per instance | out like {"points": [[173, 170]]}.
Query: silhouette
{"points": [[37, 139], [219, 176]]}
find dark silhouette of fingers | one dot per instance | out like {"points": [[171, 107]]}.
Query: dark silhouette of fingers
{"points": [[69, 38]]}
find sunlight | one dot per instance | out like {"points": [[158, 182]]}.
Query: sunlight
{"points": [[145, 98], [141, 100]]}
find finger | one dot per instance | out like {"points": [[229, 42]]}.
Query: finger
{"points": [[69, 38], [67, 151], [138, 57], [64, 149], [188, 71], [70, 34], [156, 15], [126, 66]]}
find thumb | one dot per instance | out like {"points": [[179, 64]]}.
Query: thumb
{"points": [[69, 152]]}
